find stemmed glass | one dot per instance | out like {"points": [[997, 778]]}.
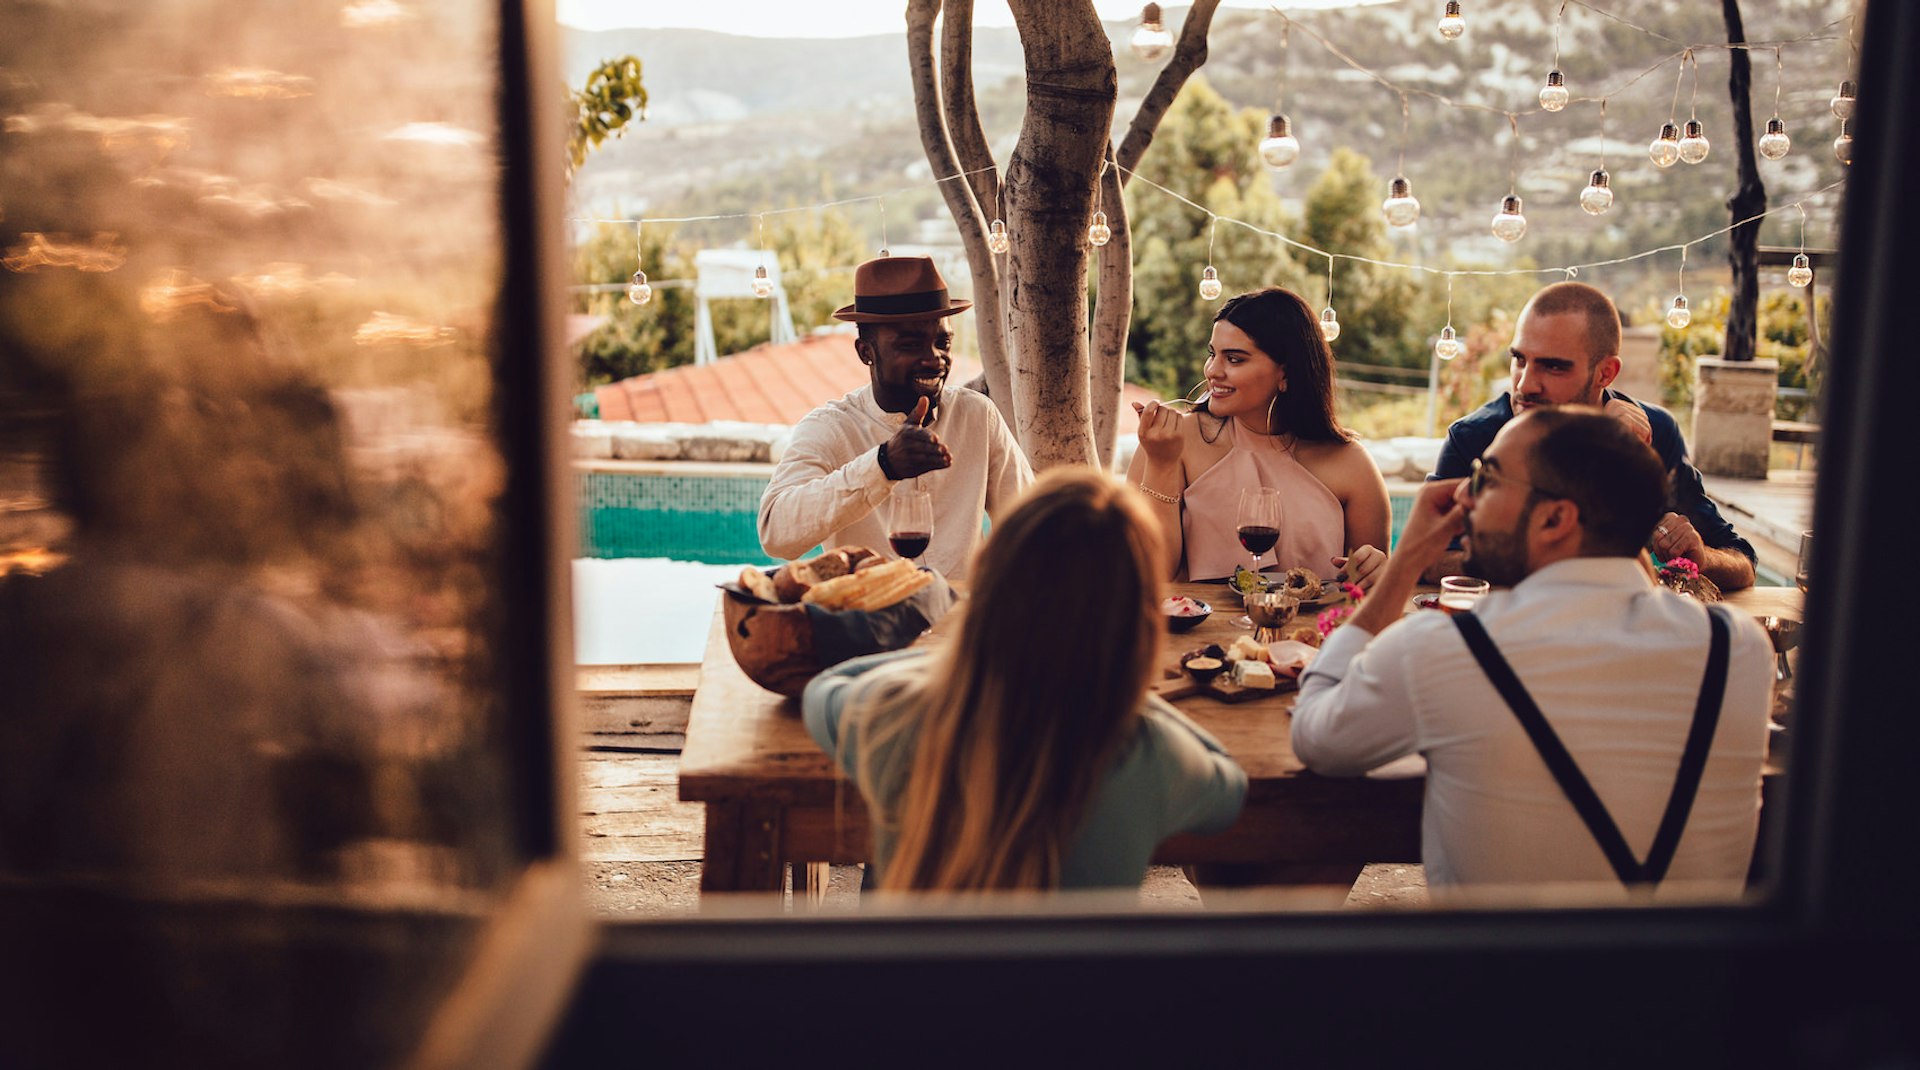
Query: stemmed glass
{"points": [[910, 521], [1258, 523]]}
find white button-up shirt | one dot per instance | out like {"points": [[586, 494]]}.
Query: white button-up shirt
{"points": [[1614, 662], [828, 488]]}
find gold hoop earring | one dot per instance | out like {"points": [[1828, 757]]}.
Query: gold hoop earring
{"points": [[1270, 408]]}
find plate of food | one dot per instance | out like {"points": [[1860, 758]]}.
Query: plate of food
{"points": [[1427, 600]]}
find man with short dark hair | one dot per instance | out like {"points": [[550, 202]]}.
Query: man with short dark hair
{"points": [[832, 483], [1566, 350], [1554, 716]]}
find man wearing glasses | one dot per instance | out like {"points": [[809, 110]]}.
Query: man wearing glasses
{"points": [[1566, 350], [1584, 696]]}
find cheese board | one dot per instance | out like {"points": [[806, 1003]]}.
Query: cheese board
{"points": [[1177, 684]]}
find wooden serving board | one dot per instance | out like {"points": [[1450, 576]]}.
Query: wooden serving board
{"points": [[1178, 685]]}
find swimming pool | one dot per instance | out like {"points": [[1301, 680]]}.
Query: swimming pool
{"points": [[708, 513]]}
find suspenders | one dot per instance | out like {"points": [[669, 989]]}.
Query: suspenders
{"points": [[1693, 760]]}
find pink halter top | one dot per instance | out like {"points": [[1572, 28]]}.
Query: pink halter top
{"points": [[1313, 526]]}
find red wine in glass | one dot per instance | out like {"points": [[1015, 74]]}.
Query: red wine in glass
{"points": [[910, 544], [1258, 538]]}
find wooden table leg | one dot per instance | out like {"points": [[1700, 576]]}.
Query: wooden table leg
{"points": [[743, 848]]}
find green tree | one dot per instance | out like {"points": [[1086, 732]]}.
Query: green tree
{"points": [[612, 98], [1203, 136], [1343, 215]]}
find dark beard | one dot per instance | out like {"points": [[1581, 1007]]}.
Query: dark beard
{"points": [[1500, 558]]}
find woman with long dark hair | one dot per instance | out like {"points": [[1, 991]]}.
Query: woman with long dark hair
{"points": [[1267, 421], [1026, 751]]}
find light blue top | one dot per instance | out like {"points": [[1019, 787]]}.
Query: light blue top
{"points": [[1169, 777]]}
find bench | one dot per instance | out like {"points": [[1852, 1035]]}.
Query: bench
{"points": [[1798, 432]]}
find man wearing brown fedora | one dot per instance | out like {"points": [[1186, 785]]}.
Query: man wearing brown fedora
{"points": [[833, 483]]}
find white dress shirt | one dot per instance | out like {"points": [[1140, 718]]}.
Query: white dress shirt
{"points": [[1614, 662], [828, 489]]}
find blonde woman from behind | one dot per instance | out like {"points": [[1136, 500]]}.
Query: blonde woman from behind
{"points": [[1026, 752]]}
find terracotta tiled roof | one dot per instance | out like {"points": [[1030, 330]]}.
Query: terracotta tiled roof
{"points": [[768, 384]]}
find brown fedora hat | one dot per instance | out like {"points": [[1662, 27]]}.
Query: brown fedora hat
{"points": [[889, 289]]}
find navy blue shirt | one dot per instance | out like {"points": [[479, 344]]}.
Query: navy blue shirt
{"points": [[1469, 436]]}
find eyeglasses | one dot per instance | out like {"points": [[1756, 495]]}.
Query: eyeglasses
{"points": [[1478, 474]]}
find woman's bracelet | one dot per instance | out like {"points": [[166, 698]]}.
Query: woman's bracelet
{"points": [[1170, 499]]}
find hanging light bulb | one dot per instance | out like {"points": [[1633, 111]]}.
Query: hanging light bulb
{"points": [[1451, 24], [1553, 95], [1598, 196], [1151, 39], [1801, 273], [1279, 148], [997, 241], [1099, 233], [1679, 316], [1448, 347], [1509, 225], [1693, 144], [1665, 150], [1400, 207], [1775, 142], [762, 286], [1842, 102], [1329, 324], [1209, 283], [637, 289], [1843, 145]]}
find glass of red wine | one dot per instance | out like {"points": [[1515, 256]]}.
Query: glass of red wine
{"points": [[910, 521], [1258, 523]]}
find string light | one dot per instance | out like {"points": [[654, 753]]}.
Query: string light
{"points": [[997, 240], [1448, 346], [1693, 144], [1843, 101], [1208, 277], [1801, 273], [1554, 95], [1509, 225], [1099, 233], [762, 285], [1151, 39], [1843, 145], [1665, 150], [1598, 196], [1679, 315], [1279, 148], [1775, 143], [1400, 207], [1451, 24], [1329, 323], [638, 290]]}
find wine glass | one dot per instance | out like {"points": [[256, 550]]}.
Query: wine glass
{"points": [[1806, 562], [1258, 524], [910, 521]]}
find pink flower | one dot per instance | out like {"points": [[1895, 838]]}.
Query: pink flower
{"points": [[1680, 566], [1329, 619], [1354, 591]]}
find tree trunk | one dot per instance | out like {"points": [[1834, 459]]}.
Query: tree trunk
{"points": [[1749, 199], [959, 194], [1112, 316], [1071, 88]]}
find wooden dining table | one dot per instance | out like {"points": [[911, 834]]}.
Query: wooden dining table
{"points": [[773, 798]]}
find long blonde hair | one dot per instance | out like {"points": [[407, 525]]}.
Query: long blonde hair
{"points": [[1018, 716]]}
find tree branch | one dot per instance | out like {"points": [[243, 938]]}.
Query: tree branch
{"points": [[1189, 53], [963, 112], [987, 298], [1112, 317]]}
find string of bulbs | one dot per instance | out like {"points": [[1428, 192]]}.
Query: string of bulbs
{"points": [[1280, 148]]}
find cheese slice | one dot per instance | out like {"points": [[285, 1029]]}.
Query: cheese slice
{"points": [[1255, 674]]}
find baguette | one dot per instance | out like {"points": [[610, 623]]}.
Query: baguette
{"points": [[869, 588]]}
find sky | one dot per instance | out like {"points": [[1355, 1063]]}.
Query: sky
{"points": [[847, 18]]}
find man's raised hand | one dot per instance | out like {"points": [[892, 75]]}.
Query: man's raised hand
{"points": [[913, 450]]}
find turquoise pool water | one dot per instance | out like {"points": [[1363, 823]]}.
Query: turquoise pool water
{"points": [[711, 518]]}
